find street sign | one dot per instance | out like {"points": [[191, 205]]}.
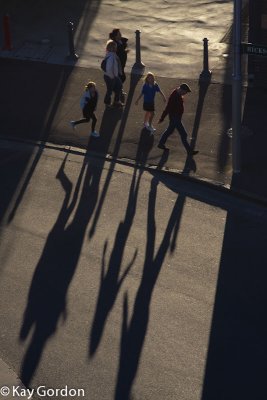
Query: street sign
{"points": [[254, 49]]}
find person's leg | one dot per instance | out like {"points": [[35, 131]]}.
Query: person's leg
{"points": [[86, 118], [117, 89], [146, 118], [94, 121], [122, 93], [151, 116], [167, 133], [183, 134], [110, 87]]}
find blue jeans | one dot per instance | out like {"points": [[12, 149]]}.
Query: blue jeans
{"points": [[175, 123], [113, 85]]}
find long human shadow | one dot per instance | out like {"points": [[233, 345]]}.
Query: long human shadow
{"points": [[111, 277], [190, 164], [133, 331], [203, 85], [237, 353], [134, 79], [47, 299]]}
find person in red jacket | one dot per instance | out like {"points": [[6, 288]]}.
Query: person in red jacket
{"points": [[175, 110]]}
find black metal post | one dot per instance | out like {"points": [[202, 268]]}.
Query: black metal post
{"points": [[206, 73], [72, 55], [138, 62]]}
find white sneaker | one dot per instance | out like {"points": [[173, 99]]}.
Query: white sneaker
{"points": [[152, 129], [95, 134], [146, 125], [72, 124]]}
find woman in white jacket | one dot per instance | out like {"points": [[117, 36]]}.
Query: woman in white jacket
{"points": [[112, 75]]}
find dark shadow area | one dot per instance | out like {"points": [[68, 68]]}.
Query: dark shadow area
{"points": [[253, 176], [12, 164], [47, 300], [33, 20], [225, 141], [134, 79], [237, 355], [225, 145], [134, 329], [203, 85], [31, 91], [111, 276], [40, 114]]}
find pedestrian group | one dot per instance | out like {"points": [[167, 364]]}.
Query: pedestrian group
{"points": [[113, 66]]}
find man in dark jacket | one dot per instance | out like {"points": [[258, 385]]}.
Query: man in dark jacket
{"points": [[175, 110]]}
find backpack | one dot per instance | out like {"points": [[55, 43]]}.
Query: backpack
{"points": [[104, 64]]}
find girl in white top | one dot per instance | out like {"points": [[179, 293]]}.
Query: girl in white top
{"points": [[111, 75]]}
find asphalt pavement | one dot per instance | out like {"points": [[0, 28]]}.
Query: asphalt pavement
{"points": [[39, 96]]}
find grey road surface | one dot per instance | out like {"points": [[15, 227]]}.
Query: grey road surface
{"points": [[128, 284]]}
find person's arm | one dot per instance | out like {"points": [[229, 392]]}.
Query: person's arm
{"points": [[110, 66], [139, 97], [163, 96], [166, 111]]}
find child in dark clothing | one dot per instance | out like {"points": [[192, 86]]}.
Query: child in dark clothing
{"points": [[88, 105]]}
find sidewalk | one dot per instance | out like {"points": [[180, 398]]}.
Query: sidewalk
{"points": [[40, 88], [40, 105], [39, 97], [8, 381]]}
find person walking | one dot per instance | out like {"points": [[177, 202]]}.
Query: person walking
{"points": [[112, 75], [175, 110], [149, 90], [88, 105]]}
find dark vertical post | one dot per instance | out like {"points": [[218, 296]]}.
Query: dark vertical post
{"points": [[138, 62], [7, 33], [72, 55], [206, 73], [236, 88]]}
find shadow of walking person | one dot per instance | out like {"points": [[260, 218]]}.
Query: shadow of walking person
{"points": [[47, 299], [134, 331], [111, 281]]}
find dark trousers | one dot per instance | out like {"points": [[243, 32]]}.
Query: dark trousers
{"points": [[175, 123], [87, 117], [113, 85]]}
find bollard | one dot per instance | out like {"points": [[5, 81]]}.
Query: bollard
{"points": [[206, 73], [138, 62], [72, 55], [7, 33]]}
